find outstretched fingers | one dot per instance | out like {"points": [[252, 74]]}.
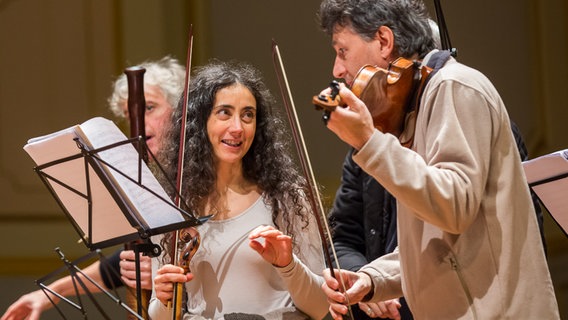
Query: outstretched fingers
{"points": [[276, 247]]}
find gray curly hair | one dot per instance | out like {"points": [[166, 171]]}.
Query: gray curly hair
{"points": [[167, 74]]}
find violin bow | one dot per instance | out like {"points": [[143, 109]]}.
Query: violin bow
{"points": [[179, 234], [314, 194], [136, 112], [443, 29]]}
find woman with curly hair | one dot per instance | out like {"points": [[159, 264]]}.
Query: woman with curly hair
{"points": [[238, 170]]}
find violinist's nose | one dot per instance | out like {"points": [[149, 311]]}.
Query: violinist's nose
{"points": [[339, 69], [236, 125]]}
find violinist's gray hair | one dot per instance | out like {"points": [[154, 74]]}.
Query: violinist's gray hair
{"points": [[167, 74], [408, 20]]}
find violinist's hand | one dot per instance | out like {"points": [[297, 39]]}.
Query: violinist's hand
{"points": [[164, 281], [29, 306], [357, 285], [128, 270], [384, 309], [277, 247], [352, 124]]}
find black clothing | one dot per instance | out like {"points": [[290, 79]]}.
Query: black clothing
{"points": [[110, 270], [363, 223], [536, 202]]}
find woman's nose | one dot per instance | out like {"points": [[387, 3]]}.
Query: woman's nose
{"points": [[236, 125]]}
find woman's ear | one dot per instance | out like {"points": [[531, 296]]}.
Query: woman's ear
{"points": [[385, 36]]}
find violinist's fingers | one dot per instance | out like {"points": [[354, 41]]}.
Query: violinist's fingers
{"points": [[353, 124], [170, 268], [164, 292], [393, 307], [358, 285], [383, 309], [268, 232], [330, 288], [276, 247], [274, 234], [256, 232], [326, 91], [127, 255], [170, 273], [128, 270], [167, 276], [129, 279], [350, 99], [337, 310], [330, 281]]}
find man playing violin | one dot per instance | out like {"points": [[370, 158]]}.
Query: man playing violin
{"points": [[468, 242], [363, 217]]}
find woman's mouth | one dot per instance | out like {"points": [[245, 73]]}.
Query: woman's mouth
{"points": [[232, 143]]}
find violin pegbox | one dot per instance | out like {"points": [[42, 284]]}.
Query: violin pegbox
{"points": [[330, 101]]}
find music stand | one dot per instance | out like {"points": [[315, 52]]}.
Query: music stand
{"points": [[104, 187], [79, 280], [547, 175]]}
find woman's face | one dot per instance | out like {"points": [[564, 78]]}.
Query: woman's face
{"points": [[232, 124]]}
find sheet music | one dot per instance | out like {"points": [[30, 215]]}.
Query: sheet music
{"points": [[108, 219], [548, 176]]}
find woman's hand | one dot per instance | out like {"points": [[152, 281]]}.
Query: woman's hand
{"points": [[276, 248], [128, 270], [164, 281]]}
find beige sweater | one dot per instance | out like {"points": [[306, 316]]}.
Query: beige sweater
{"points": [[469, 245]]}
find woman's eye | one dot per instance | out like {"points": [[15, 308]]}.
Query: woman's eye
{"points": [[248, 116], [149, 108], [223, 114]]}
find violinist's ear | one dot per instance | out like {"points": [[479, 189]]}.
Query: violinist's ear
{"points": [[386, 38]]}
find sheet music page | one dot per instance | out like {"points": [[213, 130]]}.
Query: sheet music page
{"points": [[108, 220], [553, 194], [73, 174]]}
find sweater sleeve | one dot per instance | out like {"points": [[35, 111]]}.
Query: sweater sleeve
{"points": [[385, 274], [442, 181], [303, 276], [157, 310]]}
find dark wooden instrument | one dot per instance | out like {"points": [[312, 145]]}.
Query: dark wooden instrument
{"points": [[389, 94], [185, 242], [136, 112]]}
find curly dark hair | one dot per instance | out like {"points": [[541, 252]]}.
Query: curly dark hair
{"points": [[267, 163], [408, 20]]}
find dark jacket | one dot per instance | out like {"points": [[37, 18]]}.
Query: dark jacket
{"points": [[363, 223]]}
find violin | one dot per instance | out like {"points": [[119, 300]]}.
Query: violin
{"points": [[389, 94]]}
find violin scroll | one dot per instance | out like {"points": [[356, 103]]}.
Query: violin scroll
{"points": [[328, 102], [188, 243]]}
